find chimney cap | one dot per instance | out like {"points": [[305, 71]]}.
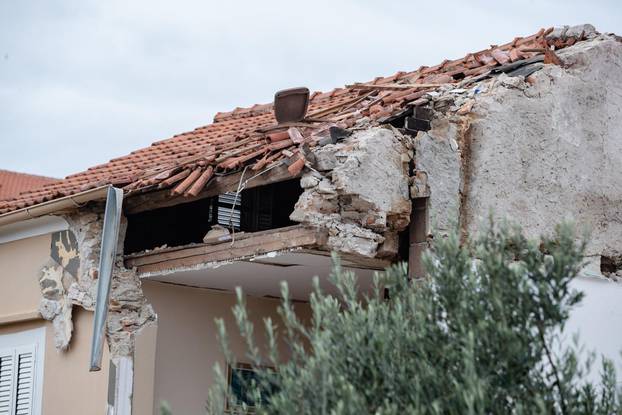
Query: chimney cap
{"points": [[290, 105]]}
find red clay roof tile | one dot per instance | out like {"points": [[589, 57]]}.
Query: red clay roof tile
{"points": [[13, 183], [240, 137]]}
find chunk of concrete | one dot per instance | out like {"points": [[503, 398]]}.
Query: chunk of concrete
{"points": [[363, 193]]}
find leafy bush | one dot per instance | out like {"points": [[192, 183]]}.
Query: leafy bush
{"points": [[479, 335]]}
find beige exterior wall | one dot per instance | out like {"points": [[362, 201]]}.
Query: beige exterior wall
{"points": [[144, 371], [20, 263], [68, 386], [187, 347]]}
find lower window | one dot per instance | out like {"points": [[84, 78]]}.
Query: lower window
{"points": [[21, 372], [240, 377]]}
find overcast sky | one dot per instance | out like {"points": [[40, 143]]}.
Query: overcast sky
{"points": [[83, 81]]}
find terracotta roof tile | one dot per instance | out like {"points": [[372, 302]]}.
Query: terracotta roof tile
{"points": [[247, 137], [12, 184]]}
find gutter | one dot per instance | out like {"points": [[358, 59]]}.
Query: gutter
{"points": [[52, 206]]}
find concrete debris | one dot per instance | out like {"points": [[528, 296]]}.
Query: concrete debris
{"points": [[325, 158], [466, 108], [217, 233], [70, 278], [77, 296], [511, 81], [438, 161], [54, 305], [363, 194], [577, 31], [308, 181], [326, 187], [419, 185], [128, 311]]}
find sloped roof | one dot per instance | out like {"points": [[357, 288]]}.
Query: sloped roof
{"points": [[13, 183], [247, 137]]}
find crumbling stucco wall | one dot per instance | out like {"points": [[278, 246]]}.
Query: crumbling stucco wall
{"points": [[552, 148], [359, 190], [438, 154], [70, 275], [70, 278], [535, 150]]}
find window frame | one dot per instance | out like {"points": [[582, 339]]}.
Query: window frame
{"points": [[18, 342], [230, 369]]}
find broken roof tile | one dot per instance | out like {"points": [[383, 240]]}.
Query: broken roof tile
{"points": [[234, 139]]}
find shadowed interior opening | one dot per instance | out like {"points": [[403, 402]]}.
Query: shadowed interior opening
{"points": [[256, 209]]}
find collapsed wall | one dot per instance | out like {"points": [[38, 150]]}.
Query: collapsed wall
{"points": [[358, 190], [534, 149], [70, 278]]}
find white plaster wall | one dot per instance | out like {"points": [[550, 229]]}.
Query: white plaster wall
{"points": [[597, 320]]}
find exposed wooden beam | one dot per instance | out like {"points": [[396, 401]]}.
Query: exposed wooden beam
{"points": [[246, 245], [354, 261], [391, 87], [219, 184]]}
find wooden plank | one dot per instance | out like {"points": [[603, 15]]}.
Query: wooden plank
{"points": [[218, 185], [353, 261], [140, 258], [391, 87], [252, 245]]}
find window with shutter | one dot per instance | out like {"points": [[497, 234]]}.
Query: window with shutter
{"points": [[254, 209], [21, 372], [229, 210], [7, 359], [24, 381]]}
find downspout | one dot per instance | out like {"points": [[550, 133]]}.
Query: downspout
{"points": [[110, 236], [121, 374]]}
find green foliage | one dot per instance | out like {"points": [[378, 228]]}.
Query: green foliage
{"points": [[165, 409], [478, 335]]}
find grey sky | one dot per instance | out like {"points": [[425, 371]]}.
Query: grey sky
{"points": [[84, 81]]}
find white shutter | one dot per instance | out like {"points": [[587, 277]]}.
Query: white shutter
{"points": [[7, 373], [21, 372], [228, 212], [24, 387], [17, 380]]}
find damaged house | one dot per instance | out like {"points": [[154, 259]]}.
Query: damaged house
{"points": [[122, 268]]}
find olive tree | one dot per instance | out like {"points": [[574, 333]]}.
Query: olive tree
{"points": [[480, 334]]}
